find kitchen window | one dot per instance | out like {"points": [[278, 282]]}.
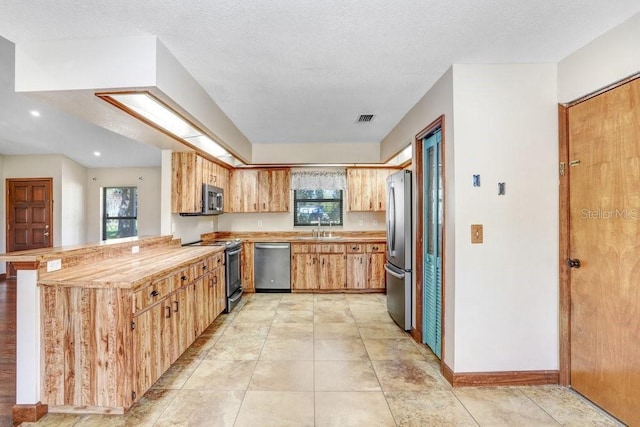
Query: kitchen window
{"points": [[311, 206], [120, 212]]}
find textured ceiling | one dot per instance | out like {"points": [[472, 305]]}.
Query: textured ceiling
{"points": [[302, 71]]}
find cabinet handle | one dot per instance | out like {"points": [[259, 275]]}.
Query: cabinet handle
{"points": [[360, 261], [175, 306], [354, 247], [215, 280], [155, 293], [204, 267], [375, 248], [167, 312], [184, 278]]}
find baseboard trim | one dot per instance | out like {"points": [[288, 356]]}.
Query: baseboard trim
{"points": [[506, 378], [29, 413]]}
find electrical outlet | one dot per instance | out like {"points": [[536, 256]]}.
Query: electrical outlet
{"points": [[259, 223], [375, 222], [54, 265], [476, 233], [135, 249], [361, 222]]}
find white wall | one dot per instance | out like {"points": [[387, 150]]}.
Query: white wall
{"points": [[148, 182], [436, 102], [609, 58], [506, 295], [73, 222]]}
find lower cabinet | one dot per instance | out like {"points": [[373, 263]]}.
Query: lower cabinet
{"points": [[104, 348], [337, 267]]}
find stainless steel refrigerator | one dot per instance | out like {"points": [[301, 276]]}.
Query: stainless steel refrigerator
{"points": [[399, 248]]}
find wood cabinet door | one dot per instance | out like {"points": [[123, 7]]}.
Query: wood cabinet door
{"points": [[220, 295], [356, 271], [243, 191], [332, 271], [152, 355], [264, 190], [304, 271], [186, 183], [376, 277], [380, 202], [201, 305], [280, 190], [354, 195], [246, 261]]}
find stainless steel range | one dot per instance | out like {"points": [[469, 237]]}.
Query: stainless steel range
{"points": [[232, 269]]}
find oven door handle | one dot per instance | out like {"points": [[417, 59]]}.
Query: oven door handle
{"points": [[233, 252]]}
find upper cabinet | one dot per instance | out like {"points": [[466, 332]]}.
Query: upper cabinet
{"points": [[259, 190], [188, 172], [366, 189]]}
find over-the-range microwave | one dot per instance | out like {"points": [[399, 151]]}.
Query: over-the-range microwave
{"points": [[212, 200]]}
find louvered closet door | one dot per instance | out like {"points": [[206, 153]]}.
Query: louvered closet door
{"points": [[432, 328]]}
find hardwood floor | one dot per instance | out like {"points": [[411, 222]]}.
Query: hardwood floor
{"points": [[7, 350]]}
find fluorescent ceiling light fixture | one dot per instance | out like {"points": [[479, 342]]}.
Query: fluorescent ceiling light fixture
{"points": [[35, 113], [155, 113]]}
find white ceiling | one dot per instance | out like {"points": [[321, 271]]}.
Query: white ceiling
{"points": [[298, 70]]}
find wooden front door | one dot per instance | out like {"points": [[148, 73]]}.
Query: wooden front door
{"points": [[29, 214], [604, 249]]}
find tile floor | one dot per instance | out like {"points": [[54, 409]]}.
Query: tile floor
{"points": [[327, 360]]}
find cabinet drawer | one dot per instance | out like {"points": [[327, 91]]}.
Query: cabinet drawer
{"points": [[354, 248], [330, 249], [149, 295], [297, 248], [198, 269], [215, 261], [181, 278], [376, 248]]}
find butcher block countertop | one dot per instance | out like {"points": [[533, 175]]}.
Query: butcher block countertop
{"points": [[299, 236], [130, 271]]}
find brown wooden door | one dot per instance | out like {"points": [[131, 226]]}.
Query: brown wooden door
{"points": [[29, 215], [604, 234]]}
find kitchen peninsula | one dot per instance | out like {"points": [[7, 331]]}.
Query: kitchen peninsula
{"points": [[107, 319]]}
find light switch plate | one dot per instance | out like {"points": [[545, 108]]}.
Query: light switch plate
{"points": [[259, 223], [476, 233], [54, 265], [135, 249]]}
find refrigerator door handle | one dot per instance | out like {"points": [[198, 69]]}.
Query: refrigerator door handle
{"points": [[393, 273], [391, 224]]}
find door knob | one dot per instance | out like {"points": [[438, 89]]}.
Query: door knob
{"points": [[46, 233], [573, 263]]}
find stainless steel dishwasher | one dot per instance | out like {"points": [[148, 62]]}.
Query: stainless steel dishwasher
{"points": [[272, 267]]}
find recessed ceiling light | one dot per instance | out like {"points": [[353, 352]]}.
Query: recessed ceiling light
{"points": [[35, 113], [96, 153]]}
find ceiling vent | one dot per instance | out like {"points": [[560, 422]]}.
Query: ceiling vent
{"points": [[365, 118]]}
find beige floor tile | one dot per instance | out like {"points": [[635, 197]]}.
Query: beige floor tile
{"points": [[199, 348], [236, 348], [343, 316], [287, 349], [381, 331], [328, 297], [340, 349], [337, 409], [291, 330], [247, 329], [502, 406], [293, 316], [223, 375], [276, 409], [177, 374], [257, 316], [428, 408], [55, 420], [202, 408], [327, 331], [282, 375], [405, 375], [337, 305], [296, 304], [392, 349], [371, 316], [295, 297], [345, 375], [215, 329], [568, 407]]}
